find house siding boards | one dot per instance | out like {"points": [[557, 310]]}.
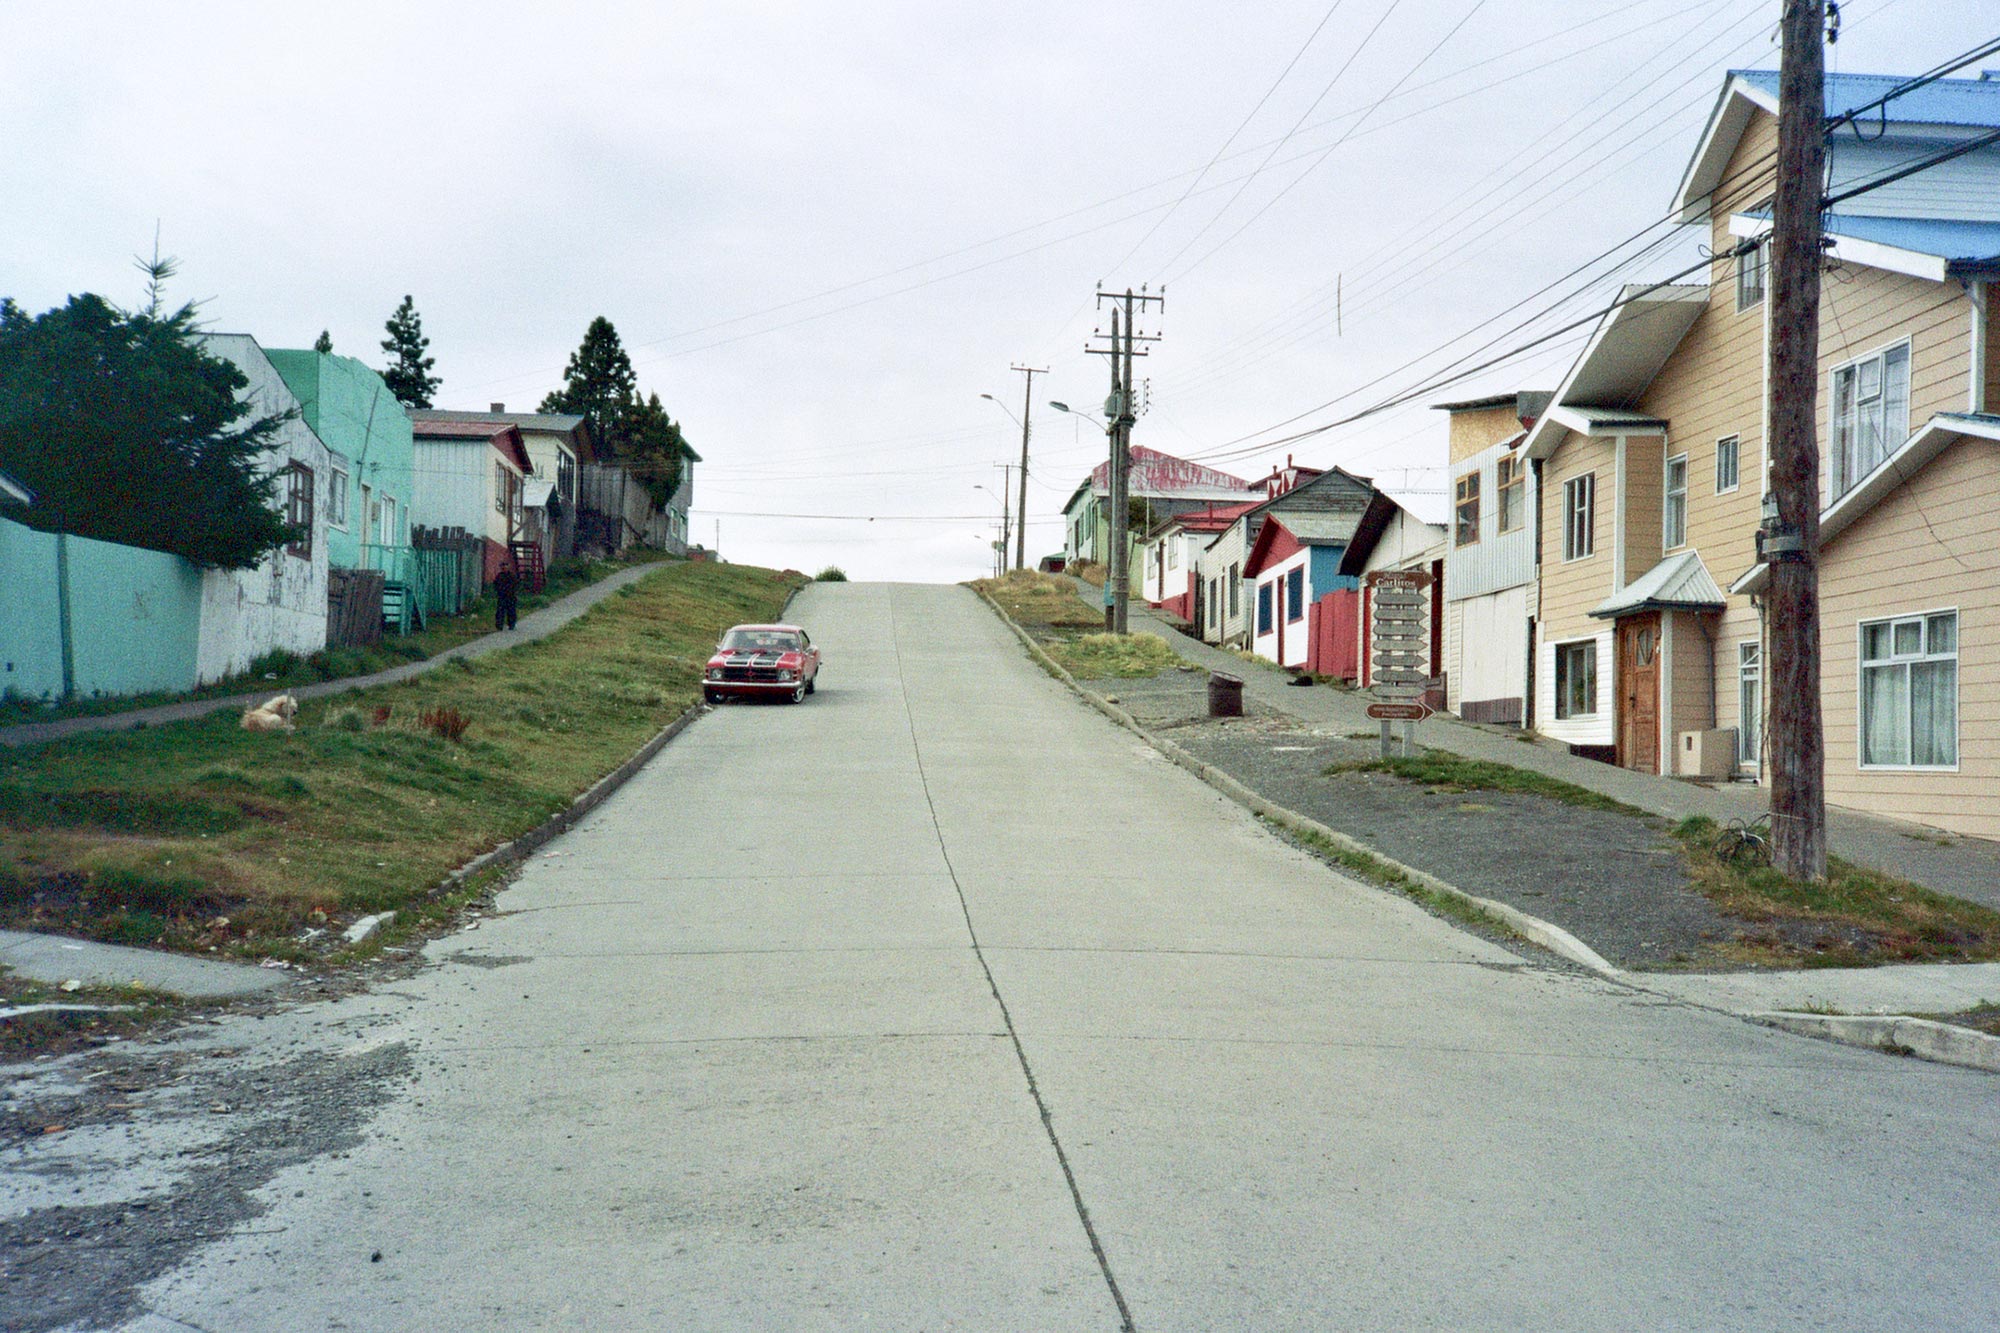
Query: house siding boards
{"points": [[352, 411], [1940, 534], [1570, 588]]}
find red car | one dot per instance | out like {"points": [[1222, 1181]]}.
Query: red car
{"points": [[769, 661]]}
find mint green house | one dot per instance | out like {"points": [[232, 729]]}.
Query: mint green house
{"points": [[374, 469]]}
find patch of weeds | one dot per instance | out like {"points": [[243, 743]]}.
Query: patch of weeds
{"points": [[1869, 917], [345, 719], [1114, 656], [1443, 771], [1035, 600], [831, 574]]}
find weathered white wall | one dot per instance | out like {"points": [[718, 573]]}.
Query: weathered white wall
{"points": [[1492, 648], [1600, 728]]}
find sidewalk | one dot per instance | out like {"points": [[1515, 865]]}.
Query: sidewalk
{"points": [[535, 625], [1967, 868], [1803, 1000]]}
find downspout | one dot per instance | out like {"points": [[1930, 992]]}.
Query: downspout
{"points": [[63, 614], [1975, 397]]}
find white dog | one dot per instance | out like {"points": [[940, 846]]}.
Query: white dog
{"points": [[274, 714]]}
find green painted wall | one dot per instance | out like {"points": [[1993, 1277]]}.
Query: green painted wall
{"points": [[351, 409], [135, 616]]}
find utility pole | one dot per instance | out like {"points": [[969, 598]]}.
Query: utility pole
{"points": [[1790, 538], [1006, 479], [1124, 347], [1027, 417]]}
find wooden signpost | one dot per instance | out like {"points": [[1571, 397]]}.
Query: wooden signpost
{"points": [[1399, 643]]}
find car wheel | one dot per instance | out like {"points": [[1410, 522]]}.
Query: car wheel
{"points": [[798, 695], [812, 685]]}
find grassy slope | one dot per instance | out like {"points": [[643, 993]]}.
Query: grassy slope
{"points": [[151, 836], [284, 671]]}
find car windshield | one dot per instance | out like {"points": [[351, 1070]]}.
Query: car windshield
{"points": [[759, 641]]}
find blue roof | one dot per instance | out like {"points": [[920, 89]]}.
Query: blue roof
{"points": [[1974, 102], [1963, 245]]}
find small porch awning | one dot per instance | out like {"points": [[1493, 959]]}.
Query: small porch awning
{"points": [[535, 494], [1678, 583]]}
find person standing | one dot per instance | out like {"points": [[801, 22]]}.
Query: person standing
{"points": [[506, 588]]}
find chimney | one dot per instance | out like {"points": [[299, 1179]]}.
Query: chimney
{"points": [[497, 407]]}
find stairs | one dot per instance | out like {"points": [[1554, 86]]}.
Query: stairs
{"points": [[528, 560], [402, 611]]}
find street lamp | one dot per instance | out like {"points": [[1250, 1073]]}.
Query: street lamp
{"points": [[1025, 422], [1000, 558]]}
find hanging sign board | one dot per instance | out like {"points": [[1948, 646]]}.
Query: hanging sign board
{"points": [[1398, 712]]}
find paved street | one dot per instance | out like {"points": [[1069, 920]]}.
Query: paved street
{"points": [[940, 1003]]}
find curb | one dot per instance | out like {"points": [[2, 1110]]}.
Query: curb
{"points": [[561, 822], [1924, 1038], [1546, 934], [518, 849]]}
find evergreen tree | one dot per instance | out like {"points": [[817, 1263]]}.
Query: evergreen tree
{"points": [[323, 343], [598, 384], [128, 432], [652, 442], [408, 374]]}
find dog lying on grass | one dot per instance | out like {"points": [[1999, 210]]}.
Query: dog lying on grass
{"points": [[274, 714]]}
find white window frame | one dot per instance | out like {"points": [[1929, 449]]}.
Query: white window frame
{"points": [[1735, 445], [1670, 538], [1749, 720], [1892, 432], [1560, 677], [1580, 517], [1752, 276], [1864, 664], [338, 483], [386, 530], [1510, 493]]}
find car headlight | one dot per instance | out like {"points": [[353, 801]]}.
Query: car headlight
{"points": [[715, 673], [788, 675]]}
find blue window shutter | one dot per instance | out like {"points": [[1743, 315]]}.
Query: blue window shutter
{"points": [[1263, 608], [1295, 594]]}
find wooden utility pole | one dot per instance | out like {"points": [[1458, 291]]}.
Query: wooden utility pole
{"points": [[1122, 410], [1791, 539], [1027, 418]]}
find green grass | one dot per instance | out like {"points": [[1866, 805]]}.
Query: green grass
{"points": [[1114, 656], [200, 835], [1366, 865], [1444, 771], [279, 671], [1904, 922], [1037, 601]]}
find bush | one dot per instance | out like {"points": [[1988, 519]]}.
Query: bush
{"points": [[831, 574], [445, 721]]}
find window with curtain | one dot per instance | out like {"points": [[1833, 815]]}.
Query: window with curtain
{"points": [[1576, 679], [1909, 691], [1871, 414], [299, 507]]}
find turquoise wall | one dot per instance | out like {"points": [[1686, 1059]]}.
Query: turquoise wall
{"points": [[1326, 575], [351, 409], [135, 616]]}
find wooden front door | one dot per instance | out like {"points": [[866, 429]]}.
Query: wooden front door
{"points": [[1639, 692]]}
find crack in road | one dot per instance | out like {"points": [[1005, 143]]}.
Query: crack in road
{"points": [[1125, 1323]]}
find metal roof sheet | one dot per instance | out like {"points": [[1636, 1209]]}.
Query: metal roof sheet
{"points": [[1972, 102], [1680, 582]]}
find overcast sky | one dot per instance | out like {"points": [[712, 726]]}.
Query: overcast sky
{"points": [[824, 230]]}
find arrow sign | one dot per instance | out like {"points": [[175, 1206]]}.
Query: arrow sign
{"points": [[1398, 597], [1400, 676], [1398, 712], [1399, 578]]}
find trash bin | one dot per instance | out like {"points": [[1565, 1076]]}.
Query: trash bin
{"points": [[1225, 694]]}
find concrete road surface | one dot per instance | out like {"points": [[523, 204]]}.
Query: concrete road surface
{"points": [[939, 1003]]}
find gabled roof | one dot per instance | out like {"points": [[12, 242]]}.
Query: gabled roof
{"points": [[1938, 434], [549, 423], [1375, 521], [1630, 345], [1678, 583], [504, 436], [1958, 103]]}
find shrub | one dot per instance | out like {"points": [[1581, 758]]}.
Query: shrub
{"points": [[831, 574], [445, 721], [346, 719], [277, 662]]}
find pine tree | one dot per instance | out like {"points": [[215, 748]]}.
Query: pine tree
{"points": [[598, 384], [128, 432], [324, 343], [652, 442], [408, 374]]}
